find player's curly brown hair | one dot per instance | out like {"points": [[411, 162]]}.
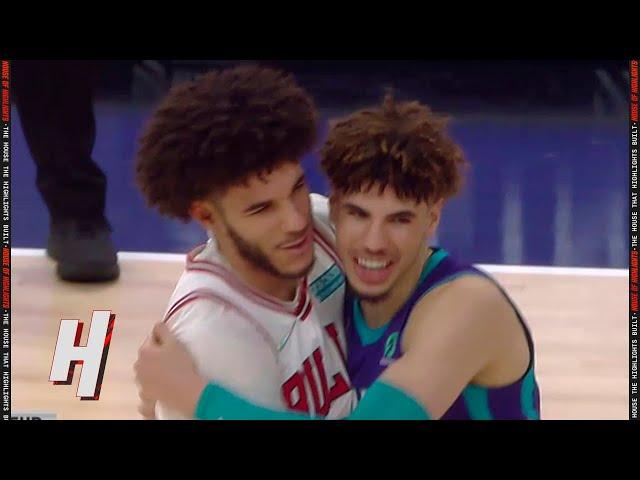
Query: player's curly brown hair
{"points": [[404, 146], [220, 129]]}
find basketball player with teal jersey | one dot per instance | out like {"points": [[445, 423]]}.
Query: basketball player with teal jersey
{"points": [[372, 350]]}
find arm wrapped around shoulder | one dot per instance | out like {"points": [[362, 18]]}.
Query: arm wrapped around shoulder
{"points": [[228, 349]]}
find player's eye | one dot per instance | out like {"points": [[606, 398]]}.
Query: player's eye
{"points": [[356, 213], [257, 209]]}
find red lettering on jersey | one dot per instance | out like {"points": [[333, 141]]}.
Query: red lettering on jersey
{"points": [[333, 333], [296, 383], [340, 387]]}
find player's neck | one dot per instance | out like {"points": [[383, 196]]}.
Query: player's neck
{"points": [[379, 313], [283, 289]]}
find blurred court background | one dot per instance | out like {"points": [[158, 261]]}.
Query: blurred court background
{"points": [[547, 142], [548, 147]]}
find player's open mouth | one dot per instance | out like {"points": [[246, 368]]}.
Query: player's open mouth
{"points": [[372, 271]]}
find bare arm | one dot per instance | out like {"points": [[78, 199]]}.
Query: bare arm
{"points": [[460, 334]]}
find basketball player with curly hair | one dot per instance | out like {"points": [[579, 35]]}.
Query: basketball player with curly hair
{"points": [[259, 307]]}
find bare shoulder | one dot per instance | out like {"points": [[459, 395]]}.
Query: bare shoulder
{"points": [[468, 305], [468, 293]]}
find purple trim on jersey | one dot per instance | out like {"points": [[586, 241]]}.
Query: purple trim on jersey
{"points": [[457, 411], [506, 401]]}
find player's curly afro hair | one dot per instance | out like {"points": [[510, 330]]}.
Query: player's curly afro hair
{"points": [[217, 131], [404, 146]]}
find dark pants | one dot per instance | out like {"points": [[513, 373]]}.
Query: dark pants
{"points": [[55, 102]]}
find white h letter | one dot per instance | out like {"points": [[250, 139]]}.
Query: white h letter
{"points": [[93, 357]]}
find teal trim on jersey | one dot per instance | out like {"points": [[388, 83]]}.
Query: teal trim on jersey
{"points": [[432, 262], [476, 398], [368, 335], [526, 396], [327, 283]]}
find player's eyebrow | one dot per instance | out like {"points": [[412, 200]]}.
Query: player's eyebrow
{"points": [[402, 213], [409, 214], [355, 208]]}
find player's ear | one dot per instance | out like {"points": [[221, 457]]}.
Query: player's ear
{"points": [[203, 212], [435, 211]]}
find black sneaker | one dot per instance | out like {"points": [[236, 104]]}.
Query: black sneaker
{"points": [[84, 251]]}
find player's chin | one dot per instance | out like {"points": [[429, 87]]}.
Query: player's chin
{"points": [[297, 268], [297, 260], [370, 294]]}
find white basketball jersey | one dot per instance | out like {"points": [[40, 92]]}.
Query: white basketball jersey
{"points": [[278, 354]]}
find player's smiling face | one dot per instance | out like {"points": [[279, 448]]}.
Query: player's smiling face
{"points": [[268, 221], [381, 238]]}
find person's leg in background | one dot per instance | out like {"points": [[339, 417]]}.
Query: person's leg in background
{"points": [[55, 104]]}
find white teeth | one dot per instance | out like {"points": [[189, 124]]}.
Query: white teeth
{"points": [[371, 264]]}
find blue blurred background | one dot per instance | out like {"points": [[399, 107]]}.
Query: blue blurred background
{"points": [[546, 140]]}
